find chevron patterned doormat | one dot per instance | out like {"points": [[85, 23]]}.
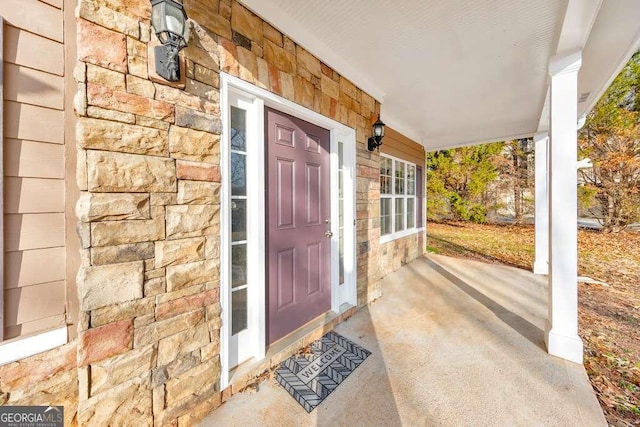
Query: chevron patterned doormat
{"points": [[311, 379]]}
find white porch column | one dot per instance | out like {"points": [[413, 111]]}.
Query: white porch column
{"points": [[562, 329], [541, 263]]}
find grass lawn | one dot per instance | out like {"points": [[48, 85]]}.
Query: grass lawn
{"points": [[609, 316]]}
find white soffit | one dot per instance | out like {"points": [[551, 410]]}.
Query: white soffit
{"points": [[614, 39], [455, 72]]}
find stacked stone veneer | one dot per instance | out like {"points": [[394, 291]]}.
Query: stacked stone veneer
{"points": [[49, 378], [149, 211], [401, 251]]}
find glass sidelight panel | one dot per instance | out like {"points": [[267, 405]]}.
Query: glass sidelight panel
{"points": [[238, 174], [238, 310], [239, 266], [238, 219], [238, 129], [341, 211]]}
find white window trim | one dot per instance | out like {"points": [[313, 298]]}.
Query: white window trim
{"points": [[338, 132], [407, 231], [11, 351]]}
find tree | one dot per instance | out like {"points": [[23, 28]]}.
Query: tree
{"points": [[611, 140], [458, 179], [515, 168]]}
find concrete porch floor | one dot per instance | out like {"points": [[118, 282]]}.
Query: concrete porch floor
{"points": [[454, 343]]}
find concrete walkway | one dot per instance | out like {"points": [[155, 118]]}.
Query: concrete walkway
{"points": [[455, 343]]}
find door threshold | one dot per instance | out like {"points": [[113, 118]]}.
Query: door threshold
{"points": [[248, 372]]}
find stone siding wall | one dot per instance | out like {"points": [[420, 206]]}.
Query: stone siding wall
{"points": [[149, 220], [49, 378], [399, 252]]}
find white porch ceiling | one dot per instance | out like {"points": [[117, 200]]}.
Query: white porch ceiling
{"points": [[459, 72]]}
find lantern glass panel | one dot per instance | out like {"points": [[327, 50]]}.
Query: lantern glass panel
{"points": [[158, 22], [175, 19], [167, 16]]}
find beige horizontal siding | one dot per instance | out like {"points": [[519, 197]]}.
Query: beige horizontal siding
{"points": [[21, 47], [28, 328], [31, 159], [33, 195], [32, 267], [33, 231], [30, 303], [54, 3], [2, 322], [397, 145], [34, 16], [34, 286], [29, 86], [24, 121]]}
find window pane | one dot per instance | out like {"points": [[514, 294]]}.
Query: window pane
{"points": [[238, 265], [238, 174], [385, 216], [399, 214], [385, 185], [341, 263], [411, 215], [238, 129], [385, 166], [411, 180], [385, 175], [238, 311], [399, 178], [238, 220]]}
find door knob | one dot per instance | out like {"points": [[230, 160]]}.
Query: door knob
{"points": [[328, 233]]}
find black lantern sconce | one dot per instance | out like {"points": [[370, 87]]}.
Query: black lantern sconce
{"points": [[169, 21], [378, 132]]}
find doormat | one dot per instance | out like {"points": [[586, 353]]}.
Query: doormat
{"points": [[311, 379]]}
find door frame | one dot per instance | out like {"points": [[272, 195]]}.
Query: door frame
{"points": [[345, 294]]}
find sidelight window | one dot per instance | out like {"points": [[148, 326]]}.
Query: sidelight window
{"points": [[238, 172]]}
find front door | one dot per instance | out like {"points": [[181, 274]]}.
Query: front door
{"points": [[298, 229]]}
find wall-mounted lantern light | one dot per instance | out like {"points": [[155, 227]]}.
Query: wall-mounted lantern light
{"points": [[169, 22], [378, 132]]}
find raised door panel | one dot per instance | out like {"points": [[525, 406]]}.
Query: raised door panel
{"points": [[298, 251]]}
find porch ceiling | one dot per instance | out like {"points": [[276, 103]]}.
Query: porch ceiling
{"points": [[458, 72]]}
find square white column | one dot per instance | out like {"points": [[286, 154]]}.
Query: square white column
{"points": [[562, 329], [541, 262]]}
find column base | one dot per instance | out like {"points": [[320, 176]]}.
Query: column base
{"points": [[541, 267], [566, 347]]}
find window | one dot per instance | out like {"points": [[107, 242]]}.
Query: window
{"points": [[398, 182], [239, 266]]}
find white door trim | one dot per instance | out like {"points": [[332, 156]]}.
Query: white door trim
{"points": [[256, 232], [347, 292]]}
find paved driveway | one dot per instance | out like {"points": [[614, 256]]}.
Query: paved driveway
{"points": [[454, 343]]}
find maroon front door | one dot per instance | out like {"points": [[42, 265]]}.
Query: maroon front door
{"points": [[298, 199]]}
